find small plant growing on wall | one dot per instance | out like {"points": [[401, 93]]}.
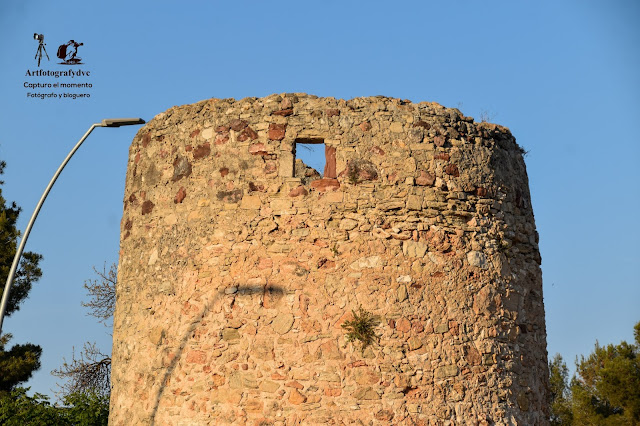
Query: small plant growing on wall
{"points": [[352, 174], [362, 328]]}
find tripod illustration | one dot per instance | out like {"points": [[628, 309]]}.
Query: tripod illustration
{"points": [[41, 47]]}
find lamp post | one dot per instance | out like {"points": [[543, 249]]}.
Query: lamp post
{"points": [[107, 122]]}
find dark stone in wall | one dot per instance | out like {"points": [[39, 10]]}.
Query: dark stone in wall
{"points": [[181, 168]]}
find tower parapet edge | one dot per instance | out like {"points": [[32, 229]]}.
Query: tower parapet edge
{"points": [[237, 269]]}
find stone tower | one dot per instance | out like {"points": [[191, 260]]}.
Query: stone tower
{"points": [[239, 264]]}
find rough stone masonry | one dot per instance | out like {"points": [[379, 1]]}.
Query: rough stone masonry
{"points": [[239, 264]]}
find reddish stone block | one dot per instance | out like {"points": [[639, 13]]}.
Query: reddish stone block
{"points": [[323, 185], [403, 325], [332, 112], [283, 112], [194, 133], [297, 191], [147, 207], [481, 192], [146, 139], [201, 151], [224, 171], [425, 179], [442, 156], [221, 138], [277, 131], [257, 149], [330, 171], [246, 134], [439, 140], [452, 170], [294, 384], [237, 124], [365, 127], [180, 195]]}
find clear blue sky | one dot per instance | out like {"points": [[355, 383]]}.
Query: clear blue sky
{"points": [[564, 76]]}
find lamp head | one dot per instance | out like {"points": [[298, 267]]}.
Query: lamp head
{"points": [[117, 122]]}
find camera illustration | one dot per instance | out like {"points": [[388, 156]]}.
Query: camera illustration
{"points": [[41, 47], [68, 52]]}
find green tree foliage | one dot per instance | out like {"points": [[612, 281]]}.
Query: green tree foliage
{"points": [[18, 363], [86, 408], [17, 408], [561, 413], [605, 390], [79, 409]]}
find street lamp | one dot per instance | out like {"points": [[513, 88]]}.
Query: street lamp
{"points": [[107, 122]]}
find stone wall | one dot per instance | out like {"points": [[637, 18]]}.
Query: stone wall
{"points": [[237, 272]]}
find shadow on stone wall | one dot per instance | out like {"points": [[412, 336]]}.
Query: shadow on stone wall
{"points": [[267, 290]]}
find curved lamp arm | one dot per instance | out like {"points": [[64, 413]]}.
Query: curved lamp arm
{"points": [[109, 122]]}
